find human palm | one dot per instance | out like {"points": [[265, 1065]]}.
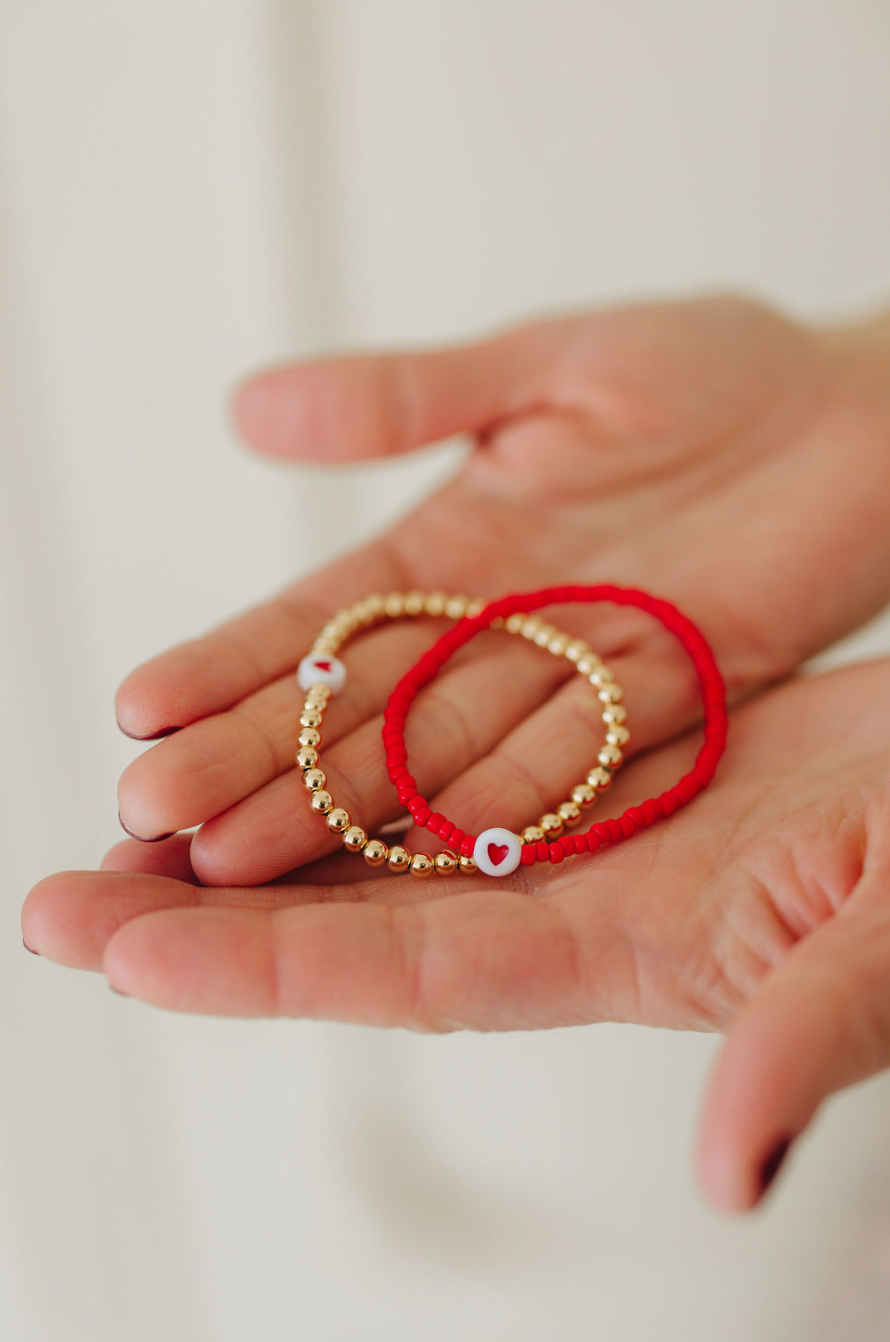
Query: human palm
{"points": [[712, 452]]}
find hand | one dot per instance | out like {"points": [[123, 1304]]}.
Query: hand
{"points": [[762, 908], [711, 452]]}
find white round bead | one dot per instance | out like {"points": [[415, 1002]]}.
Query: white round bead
{"points": [[320, 669], [498, 852]]}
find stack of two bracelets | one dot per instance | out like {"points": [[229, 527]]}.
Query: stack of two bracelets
{"points": [[555, 835]]}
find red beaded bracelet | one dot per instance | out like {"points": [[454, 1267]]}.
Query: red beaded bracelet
{"points": [[498, 851]]}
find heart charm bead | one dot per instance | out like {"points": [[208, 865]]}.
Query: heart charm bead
{"points": [[497, 852], [320, 669]]}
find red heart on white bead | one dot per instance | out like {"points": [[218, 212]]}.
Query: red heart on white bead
{"points": [[321, 670], [497, 851]]}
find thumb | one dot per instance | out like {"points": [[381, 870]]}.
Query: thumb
{"points": [[819, 1022], [346, 409]]}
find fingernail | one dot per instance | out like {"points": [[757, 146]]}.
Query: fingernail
{"points": [[141, 837], [120, 992], [29, 948], [152, 736], [773, 1163]]}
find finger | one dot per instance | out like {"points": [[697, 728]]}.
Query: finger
{"points": [[70, 917], [489, 960], [211, 673], [820, 1021], [173, 858], [345, 409]]}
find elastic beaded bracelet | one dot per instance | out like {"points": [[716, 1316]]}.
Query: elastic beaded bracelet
{"points": [[498, 851], [322, 674]]}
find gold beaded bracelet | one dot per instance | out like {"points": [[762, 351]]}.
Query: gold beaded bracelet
{"points": [[321, 674]]}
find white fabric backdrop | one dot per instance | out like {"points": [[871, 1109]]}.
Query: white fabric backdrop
{"points": [[189, 189]]}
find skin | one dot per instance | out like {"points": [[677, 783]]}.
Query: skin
{"points": [[713, 452]]}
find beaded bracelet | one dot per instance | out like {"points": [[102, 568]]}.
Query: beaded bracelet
{"points": [[498, 851], [322, 674]]}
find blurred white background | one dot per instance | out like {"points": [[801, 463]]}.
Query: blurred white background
{"points": [[186, 190]]}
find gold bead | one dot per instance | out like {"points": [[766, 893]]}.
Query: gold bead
{"points": [[474, 608], [558, 644], [414, 603], [617, 735], [310, 736], [589, 665], [614, 713], [338, 820], [530, 626], [610, 756], [456, 607], [310, 717], [446, 863], [355, 839], [399, 858], [600, 779], [307, 757], [467, 866], [532, 834], [314, 701], [313, 779], [321, 801], [577, 649], [513, 623], [611, 693], [600, 676], [435, 603], [552, 825], [421, 864], [583, 794], [394, 605], [545, 633], [569, 812], [375, 852], [368, 611], [319, 691]]}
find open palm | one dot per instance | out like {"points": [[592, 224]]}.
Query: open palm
{"points": [[687, 448]]}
